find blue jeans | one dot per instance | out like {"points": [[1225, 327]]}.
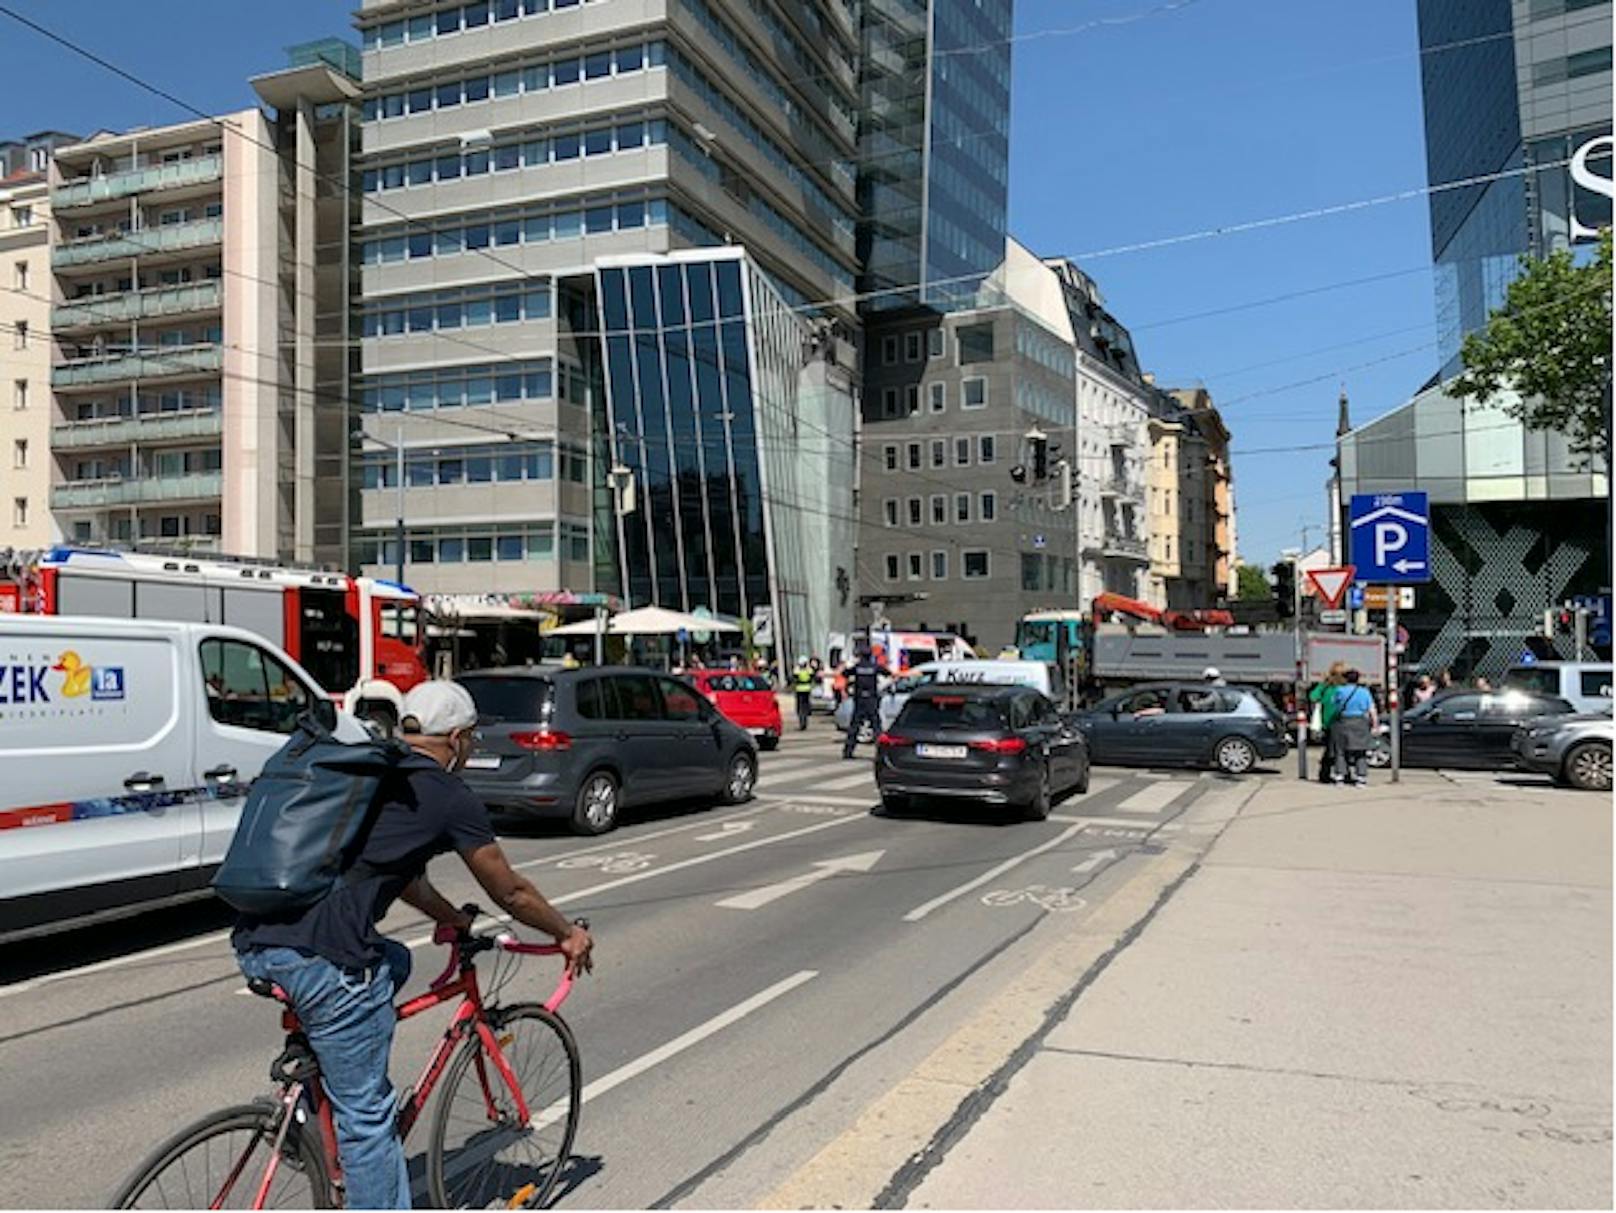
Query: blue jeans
{"points": [[348, 1017]]}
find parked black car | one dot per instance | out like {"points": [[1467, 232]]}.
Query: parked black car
{"points": [[1472, 729], [990, 744], [584, 744], [1184, 724]]}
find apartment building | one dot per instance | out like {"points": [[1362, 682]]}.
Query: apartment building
{"points": [[1190, 491], [194, 269], [25, 336]]}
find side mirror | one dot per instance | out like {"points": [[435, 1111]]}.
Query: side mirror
{"points": [[1116, 711], [325, 712]]}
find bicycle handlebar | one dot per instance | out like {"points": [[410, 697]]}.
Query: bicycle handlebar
{"points": [[462, 944]]}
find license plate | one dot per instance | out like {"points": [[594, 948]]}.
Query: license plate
{"points": [[758, 732], [483, 762], [941, 751]]}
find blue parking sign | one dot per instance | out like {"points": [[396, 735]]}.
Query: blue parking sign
{"points": [[1391, 538]]}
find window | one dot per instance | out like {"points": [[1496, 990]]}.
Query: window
{"points": [[19, 453], [19, 340], [911, 398], [939, 396], [911, 347], [890, 454], [19, 511], [679, 702], [962, 507], [914, 511], [248, 688], [984, 448], [1595, 684], [934, 342], [595, 699], [637, 697], [19, 394], [19, 275], [892, 567], [889, 349], [39, 159], [939, 566], [889, 511], [973, 393], [975, 343], [939, 510], [916, 566], [974, 564], [889, 402], [962, 452], [22, 216], [914, 456], [939, 452]]}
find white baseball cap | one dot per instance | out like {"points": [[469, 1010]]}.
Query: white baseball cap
{"points": [[437, 708]]}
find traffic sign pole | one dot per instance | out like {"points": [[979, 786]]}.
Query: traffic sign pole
{"points": [[1301, 682], [1394, 696]]}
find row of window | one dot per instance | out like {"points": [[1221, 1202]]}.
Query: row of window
{"points": [[972, 343], [914, 455], [508, 463], [152, 343], [452, 20], [906, 402], [529, 78], [505, 229], [164, 526], [447, 310], [209, 396], [506, 543], [1572, 67], [894, 514], [159, 465], [976, 564], [460, 386]]}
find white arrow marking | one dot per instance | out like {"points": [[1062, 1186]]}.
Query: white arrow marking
{"points": [[728, 830], [1404, 566], [1094, 861], [820, 871]]}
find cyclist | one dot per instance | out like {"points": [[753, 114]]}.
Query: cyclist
{"points": [[339, 972]]}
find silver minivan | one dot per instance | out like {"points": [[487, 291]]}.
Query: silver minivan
{"points": [[126, 748], [1586, 684]]}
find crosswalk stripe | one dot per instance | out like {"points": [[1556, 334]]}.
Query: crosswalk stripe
{"points": [[1152, 798], [847, 781]]}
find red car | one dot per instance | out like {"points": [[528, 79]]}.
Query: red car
{"points": [[745, 699]]}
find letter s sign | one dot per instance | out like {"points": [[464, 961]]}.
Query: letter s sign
{"points": [[1582, 175]]}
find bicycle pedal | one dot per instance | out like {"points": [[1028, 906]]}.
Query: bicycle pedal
{"points": [[522, 1196]]}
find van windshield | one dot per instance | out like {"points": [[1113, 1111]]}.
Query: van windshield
{"points": [[501, 699], [1544, 680]]}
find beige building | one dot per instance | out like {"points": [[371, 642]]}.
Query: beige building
{"points": [[193, 266], [1190, 501]]}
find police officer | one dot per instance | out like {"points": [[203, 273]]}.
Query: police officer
{"points": [[802, 682], [866, 688]]}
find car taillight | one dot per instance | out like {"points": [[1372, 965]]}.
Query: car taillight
{"points": [[544, 739], [893, 739], [1000, 745]]}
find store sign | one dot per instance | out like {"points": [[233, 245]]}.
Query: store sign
{"points": [[1586, 181]]}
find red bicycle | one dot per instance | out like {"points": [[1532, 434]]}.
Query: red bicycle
{"points": [[501, 1134]]}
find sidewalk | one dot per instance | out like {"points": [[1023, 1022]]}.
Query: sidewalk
{"points": [[1398, 997]]}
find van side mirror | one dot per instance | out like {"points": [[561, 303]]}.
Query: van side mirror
{"points": [[325, 712]]}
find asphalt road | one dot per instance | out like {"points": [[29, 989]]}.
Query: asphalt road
{"points": [[723, 1044]]}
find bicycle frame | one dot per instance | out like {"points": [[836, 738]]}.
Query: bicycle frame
{"points": [[458, 980]]}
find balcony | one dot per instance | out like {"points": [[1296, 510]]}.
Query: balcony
{"points": [[199, 171], [1125, 547], [151, 304], [174, 238], [143, 428], [148, 364], [148, 490], [1125, 488], [1123, 433]]}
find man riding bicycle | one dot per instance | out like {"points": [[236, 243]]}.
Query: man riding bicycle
{"points": [[339, 972]]}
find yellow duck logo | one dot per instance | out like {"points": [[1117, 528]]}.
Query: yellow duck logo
{"points": [[75, 675]]}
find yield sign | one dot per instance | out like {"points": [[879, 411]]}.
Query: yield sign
{"points": [[1332, 584]]}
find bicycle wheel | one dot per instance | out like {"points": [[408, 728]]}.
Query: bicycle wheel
{"points": [[219, 1162], [480, 1153]]}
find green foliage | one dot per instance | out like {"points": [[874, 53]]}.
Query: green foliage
{"points": [[1551, 343], [1253, 583]]}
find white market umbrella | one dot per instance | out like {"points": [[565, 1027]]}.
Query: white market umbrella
{"points": [[648, 621]]}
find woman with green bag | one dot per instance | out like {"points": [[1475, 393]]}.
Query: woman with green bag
{"points": [[1325, 707]]}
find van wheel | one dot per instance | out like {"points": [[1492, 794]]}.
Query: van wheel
{"points": [[740, 778], [596, 809]]}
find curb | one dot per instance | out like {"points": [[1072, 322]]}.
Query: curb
{"points": [[898, 1139]]}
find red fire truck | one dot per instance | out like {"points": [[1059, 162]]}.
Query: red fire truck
{"points": [[360, 638]]}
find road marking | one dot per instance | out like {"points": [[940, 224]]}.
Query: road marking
{"points": [[1100, 783], [1054, 900], [678, 1045], [847, 782], [1095, 860], [728, 830], [803, 801], [822, 869], [1152, 798], [618, 861], [1130, 823], [789, 766], [638, 838], [920, 911]]}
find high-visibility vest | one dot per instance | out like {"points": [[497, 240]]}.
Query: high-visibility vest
{"points": [[803, 679]]}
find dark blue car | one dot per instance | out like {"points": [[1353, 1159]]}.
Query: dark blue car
{"points": [[1184, 724]]}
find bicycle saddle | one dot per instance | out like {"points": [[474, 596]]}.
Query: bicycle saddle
{"points": [[265, 988]]}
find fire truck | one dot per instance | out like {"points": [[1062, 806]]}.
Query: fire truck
{"points": [[358, 637]]}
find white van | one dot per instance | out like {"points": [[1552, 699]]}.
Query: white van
{"points": [[1041, 676], [1586, 684], [126, 747]]}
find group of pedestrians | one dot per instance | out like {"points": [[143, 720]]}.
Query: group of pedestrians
{"points": [[1344, 711]]}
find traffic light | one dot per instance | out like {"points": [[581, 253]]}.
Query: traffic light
{"points": [[1285, 589], [1038, 443], [1063, 484]]}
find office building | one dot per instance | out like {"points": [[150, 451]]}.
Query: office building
{"points": [[199, 279], [25, 335], [511, 152], [1519, 90]]}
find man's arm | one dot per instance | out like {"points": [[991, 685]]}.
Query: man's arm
{"points": [[420, 894], [516, 895]]}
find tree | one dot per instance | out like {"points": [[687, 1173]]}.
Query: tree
{"points": [[1550, 344], [1253, 583]]}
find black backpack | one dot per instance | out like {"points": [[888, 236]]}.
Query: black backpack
{"points": [[306, 816]]}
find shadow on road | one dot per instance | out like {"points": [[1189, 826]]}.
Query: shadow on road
{"points": [[104, 941]]}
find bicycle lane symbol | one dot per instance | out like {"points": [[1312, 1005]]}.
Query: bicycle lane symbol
{"points": [[1057, 899], [620, 861]]}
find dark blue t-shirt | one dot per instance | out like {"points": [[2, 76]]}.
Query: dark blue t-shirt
{"points": [[425, 811]]}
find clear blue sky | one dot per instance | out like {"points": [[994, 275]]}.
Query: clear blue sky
{"points": [[1213, 113]]}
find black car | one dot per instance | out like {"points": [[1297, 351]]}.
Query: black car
{"points": [[1473, 729], [1184, 724], [583, 744], [991, 744]]}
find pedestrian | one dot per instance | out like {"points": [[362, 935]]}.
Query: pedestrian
{"points": [[866, 691], [1352, 732], [1482, 684], [1424, 689], [1444, 679], [802, 682], [1323, 698]]}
